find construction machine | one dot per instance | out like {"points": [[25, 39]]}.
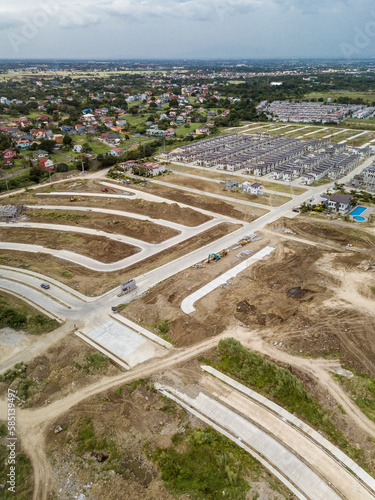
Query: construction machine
{"points": [[106, 190], [214, 257], [74, 198], [244, 241]]}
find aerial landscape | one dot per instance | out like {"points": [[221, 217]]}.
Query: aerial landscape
{"points": [[187, 250]]}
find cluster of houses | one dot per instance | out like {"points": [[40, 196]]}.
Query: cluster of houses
{"points": [[230, 152], [305, 112], [321, 160], [148, 169], [366, 179], [285, 158]]}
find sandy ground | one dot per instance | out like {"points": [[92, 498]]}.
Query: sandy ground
{"points": [[13, 341]]}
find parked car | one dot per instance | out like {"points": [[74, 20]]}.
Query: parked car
{"points": [[45, 286]]}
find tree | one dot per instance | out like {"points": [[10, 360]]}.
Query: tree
{"points": [[47, 145], [67, 141], [36, 173], [61, 167]]}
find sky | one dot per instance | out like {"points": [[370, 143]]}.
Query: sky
{"points": [[191, 29]]}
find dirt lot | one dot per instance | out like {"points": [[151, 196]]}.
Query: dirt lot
{"points": [[93, 283], [301, 298], [125, 427], [95, 247], [64, 368], [216, 188], [141, 229], [214, 174], [228, 208], [154, 210], [335, 232]]}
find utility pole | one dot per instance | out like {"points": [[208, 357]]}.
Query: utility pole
{"points": [[6, 182]]}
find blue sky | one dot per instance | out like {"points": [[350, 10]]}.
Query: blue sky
{"points": [[187, 29]]}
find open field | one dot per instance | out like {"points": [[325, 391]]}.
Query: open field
{"points": [[368, 97], [187, 130], [95, 247], [155, 210], [213, 187], [228, 208], [96, 146], [141, 229], [95, 283], [49, 75], [214, 174]]}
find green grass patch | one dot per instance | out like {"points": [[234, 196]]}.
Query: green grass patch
{"points": [[163, 329], [133, 385], [280, 385], [17, 315], [18, 372], [186, 130], [361, 388], [205, 464], [58, 215], [23, 479], [94, 362], [11, 374]]}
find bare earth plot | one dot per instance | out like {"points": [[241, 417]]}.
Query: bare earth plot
{"points": [[90, 282], [95, 247], [228, 208], [288, 298], [212, 187], [167, 211], [215, 174], [127, 226]]}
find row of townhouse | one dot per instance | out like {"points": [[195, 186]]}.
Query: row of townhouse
{"points": [[234, 152], [272, 161], [306, 112], [366, 179], [235, 158], [335, 168]]}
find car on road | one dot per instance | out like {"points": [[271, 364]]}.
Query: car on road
{"points": [[45, 286]]}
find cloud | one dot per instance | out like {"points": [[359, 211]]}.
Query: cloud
{"points": [[197, 10], [317, 6]]}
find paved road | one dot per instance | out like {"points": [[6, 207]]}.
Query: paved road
{"points": [[314, 471]]}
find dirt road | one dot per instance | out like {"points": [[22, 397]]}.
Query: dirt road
{"points": [[33, 424]]}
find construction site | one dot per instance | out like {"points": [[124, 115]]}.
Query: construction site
{"points": [[145, 284]]}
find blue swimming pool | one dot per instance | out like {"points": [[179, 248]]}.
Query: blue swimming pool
{"points": [[358, 211], [359, 219]]}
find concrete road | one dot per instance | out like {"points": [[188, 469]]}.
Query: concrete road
{"points": [[312, 471]]}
